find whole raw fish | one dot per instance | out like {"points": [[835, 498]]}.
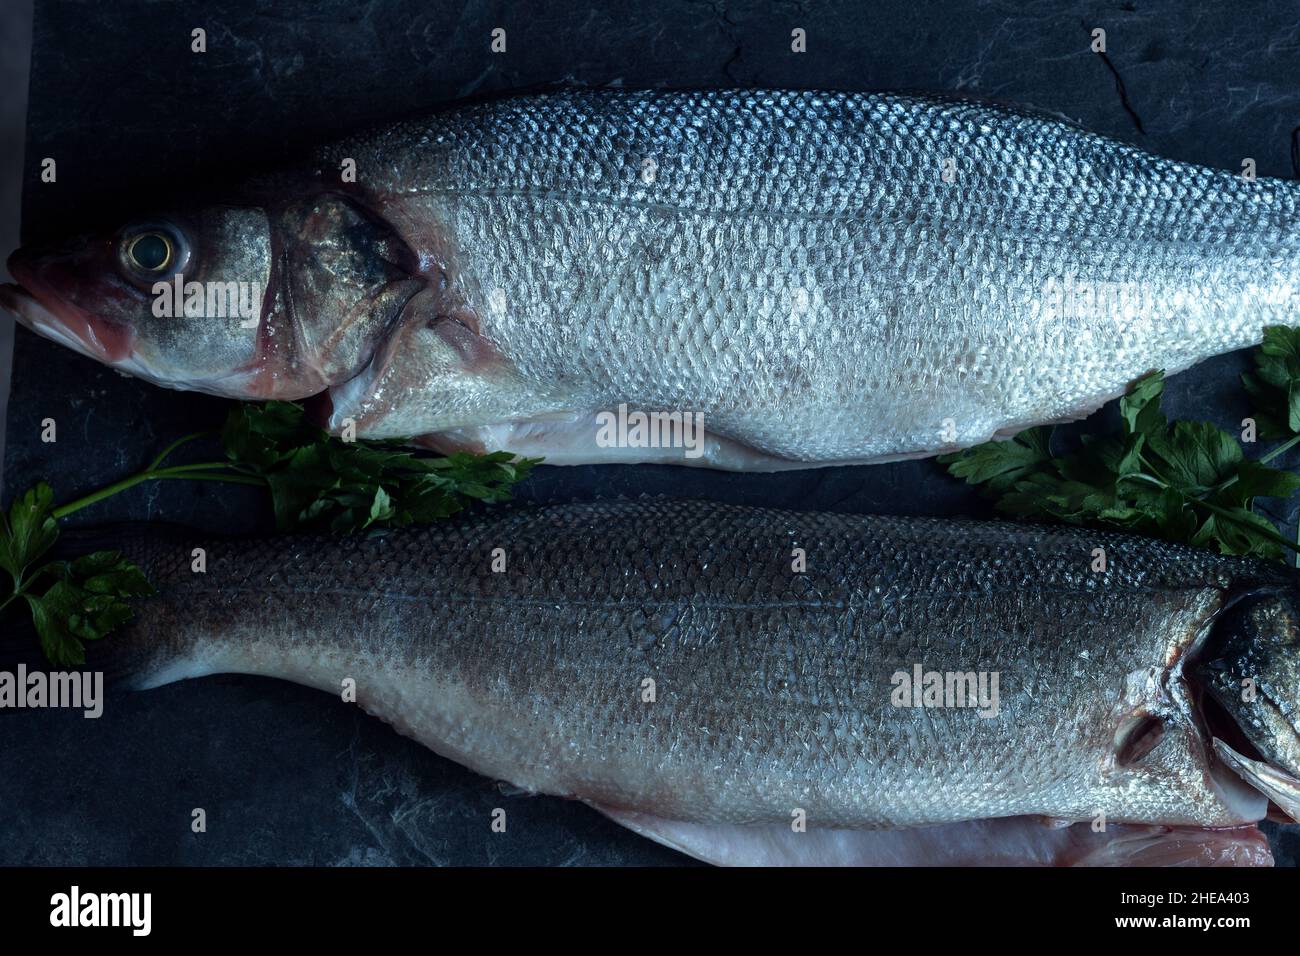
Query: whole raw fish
{"points": [[800, 278], [763, 686]]}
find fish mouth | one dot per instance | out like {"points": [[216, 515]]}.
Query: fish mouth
{"points": [[1273, 776], [1282, 789], [52, 317], [1236, 767], [1243, 801], [48, 315]]}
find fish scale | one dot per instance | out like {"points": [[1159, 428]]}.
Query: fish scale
{"points": [[772, 688]]}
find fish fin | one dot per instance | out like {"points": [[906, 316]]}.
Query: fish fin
{"points": [[1008, 841], [570, 438], [508, 789], [1135, 845], [433, 369], [1276, 784]]}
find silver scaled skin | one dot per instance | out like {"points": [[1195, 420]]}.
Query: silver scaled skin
{"points": [[826, 277], [771, 689]]}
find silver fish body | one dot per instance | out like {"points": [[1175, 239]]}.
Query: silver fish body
{"points": [[667, 660], [820, 277], [795, 268]]}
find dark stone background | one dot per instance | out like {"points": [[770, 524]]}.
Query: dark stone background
{"points": [[288, 775]]}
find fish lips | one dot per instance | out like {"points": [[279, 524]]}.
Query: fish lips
{"points": [[39, 307]]}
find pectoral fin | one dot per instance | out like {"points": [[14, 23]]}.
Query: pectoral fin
{"points": [[433, 372]]}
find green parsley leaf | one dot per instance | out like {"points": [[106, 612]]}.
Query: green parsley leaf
{"points": [[1140, 407], [1195, 456], [1182, 481], [76, 601], [1275, 386], [1000, 464], [29, 531], [320, 481]]}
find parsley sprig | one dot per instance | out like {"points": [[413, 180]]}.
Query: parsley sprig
{"points": [[315, 480], [1182, 481], [319, 481], [70, 601]]}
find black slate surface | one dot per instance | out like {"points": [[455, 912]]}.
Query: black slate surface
{"points": [[288, 775]]}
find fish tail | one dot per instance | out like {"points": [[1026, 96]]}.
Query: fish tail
{"points": [[132, 654], [122, 657]]}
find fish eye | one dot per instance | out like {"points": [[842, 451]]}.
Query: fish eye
{"points": [[151, 251]]}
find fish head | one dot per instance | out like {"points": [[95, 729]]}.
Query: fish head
{"points": [[1252, 671], [238, 300], [112, 296]]}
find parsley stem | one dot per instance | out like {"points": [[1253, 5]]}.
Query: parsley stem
{"points": [[173, 446], [1159, 479], [198, 466], [198, 471], [1149, 479], [1280, 449], [105, 492], [21, 586], [203, 476], [194, 472]]}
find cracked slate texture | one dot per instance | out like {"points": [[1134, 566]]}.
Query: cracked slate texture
{"points": [[292, 776]]}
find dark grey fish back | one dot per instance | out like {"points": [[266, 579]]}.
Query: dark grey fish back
{"points": [[832, 154], [692, 550]]}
